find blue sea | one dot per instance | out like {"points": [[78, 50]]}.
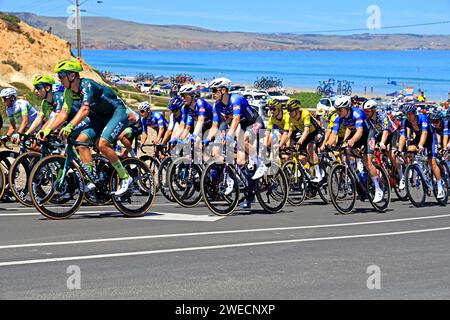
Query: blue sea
{"points": [[428, 70]]}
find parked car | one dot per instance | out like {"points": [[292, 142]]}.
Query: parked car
{"points": [[144, 87], [324, 105], [279, 94], [258, 100]]}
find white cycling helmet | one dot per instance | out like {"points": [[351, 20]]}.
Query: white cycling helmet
{"points": [[8, 93], [343, 102], [370, 105], [220, 83], [144, 106], [188, 89]]}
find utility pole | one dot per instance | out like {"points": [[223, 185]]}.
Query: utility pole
{"points": [[78, 29]]}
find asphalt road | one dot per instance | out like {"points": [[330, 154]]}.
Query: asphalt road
{"points": [[174, 253]]}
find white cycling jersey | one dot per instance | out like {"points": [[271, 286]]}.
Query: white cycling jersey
{"points": [[20, 109]]}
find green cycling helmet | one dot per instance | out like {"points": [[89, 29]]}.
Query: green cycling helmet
{"points": [[44, 79], [68, 65]]}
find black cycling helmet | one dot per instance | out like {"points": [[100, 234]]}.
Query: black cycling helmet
{"points": [[436, 116], [409, 108]]}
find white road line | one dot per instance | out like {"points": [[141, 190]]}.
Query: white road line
{"points": [[162, 216], [226, 246], [179, 235]]}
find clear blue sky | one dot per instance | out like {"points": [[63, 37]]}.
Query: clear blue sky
{"points": [[258, 16]]}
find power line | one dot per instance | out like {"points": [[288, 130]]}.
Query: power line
{"points": [[365, 29]]}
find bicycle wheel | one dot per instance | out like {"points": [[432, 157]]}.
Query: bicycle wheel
{"points": [[213, 187], [415, 186], [323, 187], [6, 159], [443, 202], [272, 191], [402, 194], [154, 165], [162, 179], [104, 170], [319, 90], [184, 182], [135, 202], [56, 193], [385, 186], [342, 189], [296, 182], [2, 182], [19, 174], [445, 169]]}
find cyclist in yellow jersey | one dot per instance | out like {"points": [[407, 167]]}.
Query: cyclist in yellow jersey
{"points": [[306, 134], [279, 120], [332, 115]]}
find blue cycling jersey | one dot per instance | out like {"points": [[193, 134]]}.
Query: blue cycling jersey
{"points": [[423, 124], [238, 106], [201, 109], [444, 131], [357, 119], [156, 121]]}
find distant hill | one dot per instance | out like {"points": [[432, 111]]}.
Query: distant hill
{"points": [[108, 33]]}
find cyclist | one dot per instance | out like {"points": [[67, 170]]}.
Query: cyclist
{"points": [[362, 134], [237, 114], [381, 122], [306, 134], [425, 138], [107, 113], [43, 86], [20, 112], [279, 119], [131, 133], [387, 132], [441, 125], [331, 116], [198, 117], [173, 132], [154, 120]]}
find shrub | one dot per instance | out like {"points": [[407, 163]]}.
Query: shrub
{"points": [[308, 99], [29, 38], [13, 64], [12, 22]]}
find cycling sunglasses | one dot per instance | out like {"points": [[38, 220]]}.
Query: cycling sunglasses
{"points": [[63, 74], [40, 86]]}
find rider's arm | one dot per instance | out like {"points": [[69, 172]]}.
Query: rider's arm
{"points": [[59, 119], [36, 123], [384, 137], [12, 127], [23, 125], [423, 138], [167, 136], [199, 126], [234, 125], [284, 138], [424, 127], [446, 134], [359, 133], [144, 136]]}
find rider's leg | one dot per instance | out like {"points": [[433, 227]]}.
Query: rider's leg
{"points": [[110, 134], [85, 152], [314, 158], [124, 138]]}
